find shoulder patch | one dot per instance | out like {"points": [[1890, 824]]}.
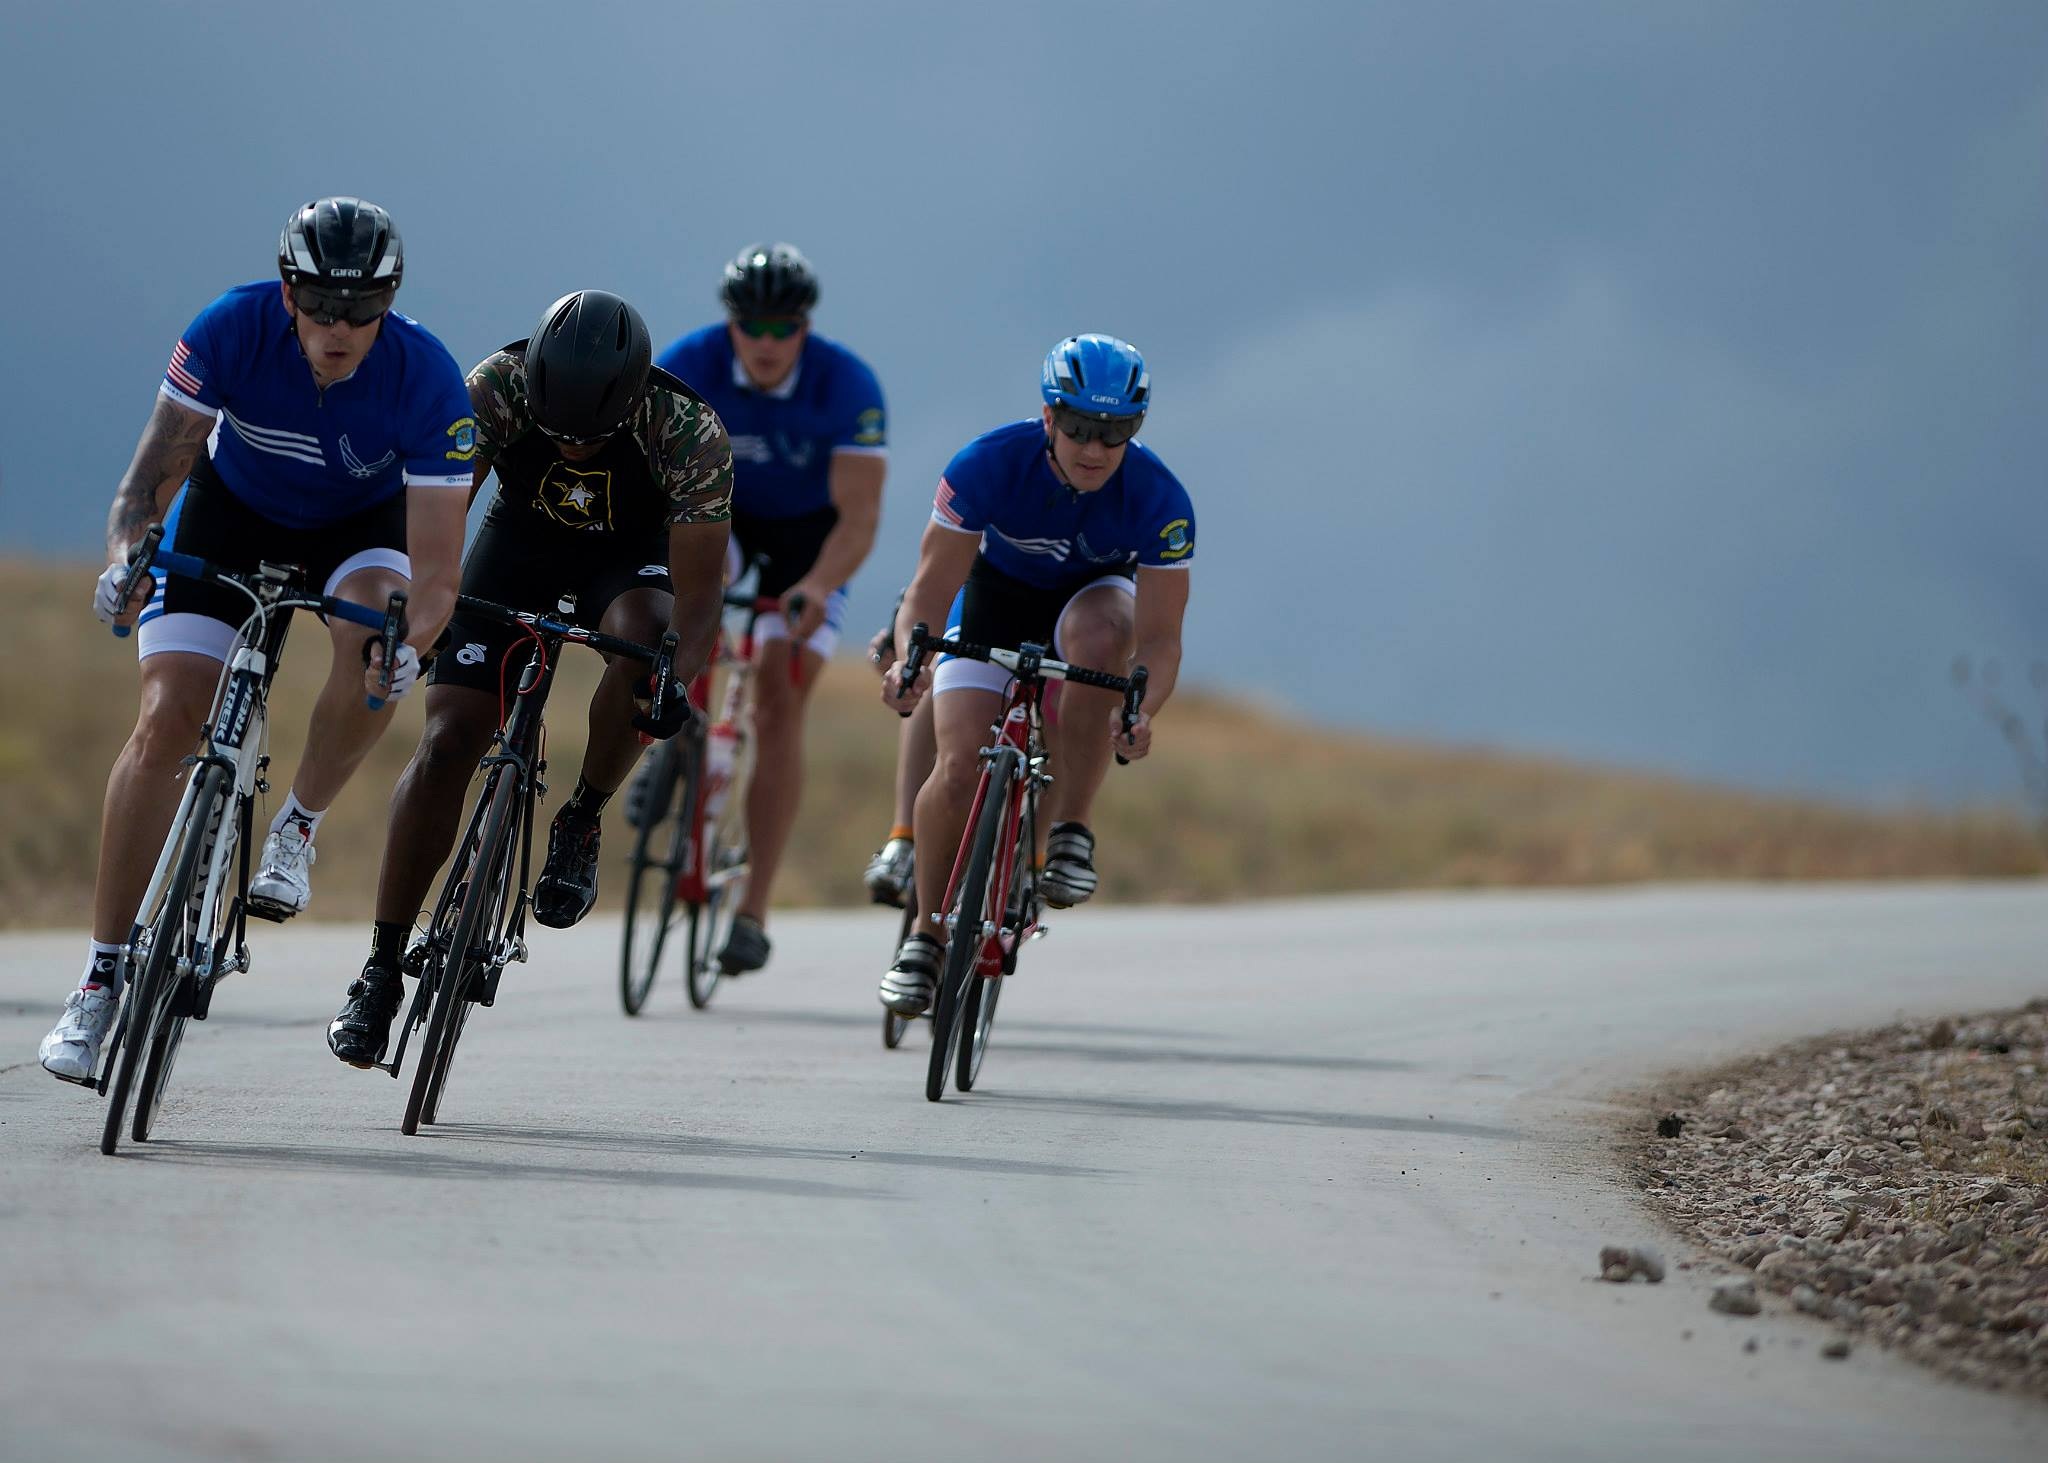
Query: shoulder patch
{"points": [[463, 430], [868, 428], [1178, 544]]}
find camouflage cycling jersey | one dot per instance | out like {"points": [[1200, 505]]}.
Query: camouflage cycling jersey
{"points": [[671, 463]]}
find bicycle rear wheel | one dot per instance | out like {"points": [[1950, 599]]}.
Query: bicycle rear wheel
{"points": [[893, 1026], [652, 913], [454, 966], [169, 930], [963, 944]]}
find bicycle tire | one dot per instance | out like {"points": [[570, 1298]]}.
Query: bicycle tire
{"points": [[963, 944], [893, 1025], [450, 1008], [150, 991], [651, 915], [711, 921], [184, 991]]}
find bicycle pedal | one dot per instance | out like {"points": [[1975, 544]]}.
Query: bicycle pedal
{"points": [[90, 1080], [277, 914]]}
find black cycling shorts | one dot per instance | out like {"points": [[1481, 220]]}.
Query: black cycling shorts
{"points": [[524, 570], [209, 522], [790, 544]]}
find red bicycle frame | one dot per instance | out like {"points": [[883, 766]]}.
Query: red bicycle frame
{"points": [[1014, 730]]}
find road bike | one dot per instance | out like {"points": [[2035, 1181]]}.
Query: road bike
{"points": [[690, 864], [479, 921], [191, 931], [992, 905]]}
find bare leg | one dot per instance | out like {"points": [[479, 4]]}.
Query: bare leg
{"points": [[146, 782], [1097, 630], [916, 749], [960, 720], [777, 790], [639, 615], [343, 728], [426, 805]]}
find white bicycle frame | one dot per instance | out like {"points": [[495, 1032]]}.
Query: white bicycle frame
{"points": [[249, 756]]}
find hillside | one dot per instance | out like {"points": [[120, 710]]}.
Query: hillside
{"points": [[1236, 803]]}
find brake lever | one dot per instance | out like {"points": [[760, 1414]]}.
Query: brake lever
{"points": [[913, 662], [1134, 700], [392, 633], [140, 558]]}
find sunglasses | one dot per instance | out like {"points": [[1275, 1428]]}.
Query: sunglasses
{"points": [[775, 327], [326, 307], [575, 441], [1084, 428]]}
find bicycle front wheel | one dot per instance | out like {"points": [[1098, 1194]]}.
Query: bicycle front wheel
{"points": [[169, 930], [652, 909], [963, 944], [456, 965]]}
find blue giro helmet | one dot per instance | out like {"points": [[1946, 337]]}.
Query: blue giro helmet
{"points": [[1098, 376]]}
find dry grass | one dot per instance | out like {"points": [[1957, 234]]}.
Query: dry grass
{"points": [[1236, 802]]}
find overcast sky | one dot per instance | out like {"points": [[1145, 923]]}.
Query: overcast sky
{"points": [[1664, 384]]}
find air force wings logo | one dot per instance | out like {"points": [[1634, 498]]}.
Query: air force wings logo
{"points": [[576, 499], [359, 468]]}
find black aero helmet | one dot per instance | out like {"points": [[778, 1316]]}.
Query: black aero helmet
{"points": [[769, 279], [586, 365], [342, 246]]}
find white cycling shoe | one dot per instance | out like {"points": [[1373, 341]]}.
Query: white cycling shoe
{"points": [[909, 985], [72, 1049], [890, 871], [283, 885]]}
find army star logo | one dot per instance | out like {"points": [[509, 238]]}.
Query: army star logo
{"points": [[575, 499]]}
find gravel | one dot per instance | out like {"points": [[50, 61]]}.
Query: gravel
{"points": [[1893, 1183]]}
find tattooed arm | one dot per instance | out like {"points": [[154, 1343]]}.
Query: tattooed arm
{"points": [[170, 443]]}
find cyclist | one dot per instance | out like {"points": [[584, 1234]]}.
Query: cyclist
{"points": [[1062, 530], [340, 440], [809, 445], [614, 485]]}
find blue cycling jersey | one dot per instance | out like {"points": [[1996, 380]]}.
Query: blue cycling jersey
{"points": [[1035, 528], [303, 456], [783, 440]]}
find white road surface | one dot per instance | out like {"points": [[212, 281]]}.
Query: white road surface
{"points": [[1287, 1182]]}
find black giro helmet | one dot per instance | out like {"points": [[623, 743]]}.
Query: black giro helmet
{"points": [[343, 245], [586, 365], [769, 279]]}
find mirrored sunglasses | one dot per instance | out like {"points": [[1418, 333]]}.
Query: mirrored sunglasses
{"points": [[325, 307], [775, 327], [1084, 428]]}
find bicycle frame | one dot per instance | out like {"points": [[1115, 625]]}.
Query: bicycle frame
{"points": [[694, 883], [1020, 726]]}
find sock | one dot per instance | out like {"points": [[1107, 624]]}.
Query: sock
{"points": [[903, 832], [297, 812], [102, 967], [586, 803], [387, 942]]}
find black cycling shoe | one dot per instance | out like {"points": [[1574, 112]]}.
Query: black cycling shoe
{"points": [[567, 886], [746, 948], [359, 1034]]}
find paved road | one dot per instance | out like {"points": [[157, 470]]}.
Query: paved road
{"points": [[1308, 1181]]}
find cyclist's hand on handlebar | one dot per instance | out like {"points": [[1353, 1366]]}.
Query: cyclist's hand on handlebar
{"points": [[1132, 744], [106, 596], [665, 721], [803, 610], [405, 670], [901, 699], [882, 649]]}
